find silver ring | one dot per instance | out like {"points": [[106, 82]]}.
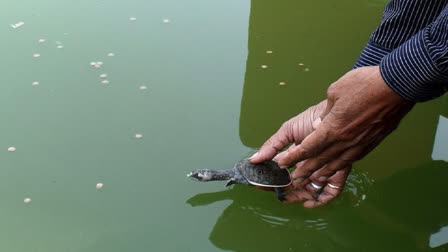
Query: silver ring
{"points": [[317, 187], [333, 186]]}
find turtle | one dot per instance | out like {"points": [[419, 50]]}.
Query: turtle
{"points": [[266, 174]]}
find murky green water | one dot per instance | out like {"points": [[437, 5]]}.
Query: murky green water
{"points": [[208, 104]]}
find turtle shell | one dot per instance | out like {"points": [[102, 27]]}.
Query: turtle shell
{"points": [[267, 174]]}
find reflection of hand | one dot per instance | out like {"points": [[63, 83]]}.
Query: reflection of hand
{"points": [[361, 110]]}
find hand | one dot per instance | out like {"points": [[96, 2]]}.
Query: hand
{"points": [[361, 110]]}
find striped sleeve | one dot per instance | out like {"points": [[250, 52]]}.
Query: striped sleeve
{"points": [[401, 20], [418, 69]]}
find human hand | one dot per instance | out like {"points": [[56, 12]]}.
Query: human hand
{"points": [[361, 110]]}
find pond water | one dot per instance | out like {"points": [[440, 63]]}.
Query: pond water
{"points": [[208, 103]]}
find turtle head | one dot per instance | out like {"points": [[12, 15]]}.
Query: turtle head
{"points": [[209, 175], [201, 175]]}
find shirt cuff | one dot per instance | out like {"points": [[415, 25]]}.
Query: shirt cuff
{"points": [[410, 71], [371, 55]]}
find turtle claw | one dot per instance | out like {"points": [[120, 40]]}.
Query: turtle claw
{"points": [[280, 194], [230, 182]]}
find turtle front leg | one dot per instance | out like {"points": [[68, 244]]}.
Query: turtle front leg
{"points": [[280, 193]]}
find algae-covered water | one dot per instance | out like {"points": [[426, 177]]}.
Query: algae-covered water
{"points": [[207, 104]]}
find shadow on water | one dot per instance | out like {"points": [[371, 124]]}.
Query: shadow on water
{"points": [[253, 222], [405, 206]]}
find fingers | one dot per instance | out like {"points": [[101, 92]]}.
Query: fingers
{"points": [[332, 189], [313, 144], [316, 194], [282, 138], [330, 104]]}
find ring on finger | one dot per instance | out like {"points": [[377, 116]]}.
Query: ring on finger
{"points": [[317, 187], [333, 186]]}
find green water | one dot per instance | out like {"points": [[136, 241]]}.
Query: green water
{"points": [[208, 104]]}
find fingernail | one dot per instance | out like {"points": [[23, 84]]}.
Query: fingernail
{"points": [[322, 179], [254, 155], [299, 180]]}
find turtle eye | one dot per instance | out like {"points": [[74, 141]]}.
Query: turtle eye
{"points": [[259, 172]]}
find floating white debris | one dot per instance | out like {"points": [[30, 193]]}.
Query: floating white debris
{"points": [[264, 66], [102, 76], [166, 21], [111, 54], [99, 186], [17, 25], [105, 82], [60, 46], [36, 55], [35, 83], [138, 136], [96, 64], [132, 19], [41, 40], [268, 52], [143, 87], [306, 69], [282, 83], [27, 200], [11, 149], [301, 64]]}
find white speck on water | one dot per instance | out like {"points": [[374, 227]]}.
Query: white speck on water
{"points": [[11, 149], [105, 82], [96, 64], [60, 46], [264, 66], [36, 55], [35, 83], [102, 76], [132, 19], [138, 136], [17, 25], [301, 64], [27, 200], [282, 83], [41, 40], [111, 54], [143, 88], [99, 186], [268, 52], [363, 197], [166, 21]]}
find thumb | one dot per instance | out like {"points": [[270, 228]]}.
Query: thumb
{"points": [[326, 111], [277, 142]]}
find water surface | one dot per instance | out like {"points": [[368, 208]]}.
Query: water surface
{"points": [[208, 104]]}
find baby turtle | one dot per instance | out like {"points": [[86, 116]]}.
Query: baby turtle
{"points": [[266, 174]]}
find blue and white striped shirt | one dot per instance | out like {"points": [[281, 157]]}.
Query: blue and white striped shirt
{"points": [[411, 48]]}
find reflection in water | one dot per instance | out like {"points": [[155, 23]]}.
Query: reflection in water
{"points": [[344, 225], [406, 203], [440, 150], [253, 215], [439, 238]]}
